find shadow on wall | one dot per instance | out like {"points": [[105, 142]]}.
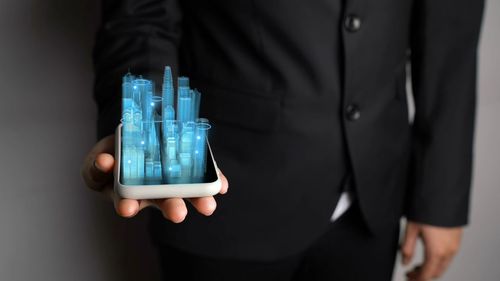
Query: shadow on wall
{"points": [[123, 245]]}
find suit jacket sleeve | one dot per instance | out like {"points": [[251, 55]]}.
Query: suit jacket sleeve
{"points": [[443, 56], [137, 35]]}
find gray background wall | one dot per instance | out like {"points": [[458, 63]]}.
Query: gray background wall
{"points": [[52, 228]]}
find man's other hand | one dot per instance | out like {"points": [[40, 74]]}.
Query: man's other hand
{"points": [[97, 172], [440, 246]]}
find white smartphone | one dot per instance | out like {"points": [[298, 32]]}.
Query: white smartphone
{"points": [[210, 185]]}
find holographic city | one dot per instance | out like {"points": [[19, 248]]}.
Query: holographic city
{"points": [[161, 145]]}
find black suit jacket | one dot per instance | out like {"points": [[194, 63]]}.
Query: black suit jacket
{"points": [[298, 95]]}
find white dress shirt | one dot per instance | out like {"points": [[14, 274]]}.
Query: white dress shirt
{"points": [[343, 205]]}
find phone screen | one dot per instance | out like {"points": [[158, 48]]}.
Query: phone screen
{"points": [[154, 173]]}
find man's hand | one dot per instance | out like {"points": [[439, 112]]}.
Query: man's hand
{"points": [[440, 246], [97, 172]]}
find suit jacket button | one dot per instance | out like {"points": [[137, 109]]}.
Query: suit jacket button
{"points": [[352, 112], [352, 23]]}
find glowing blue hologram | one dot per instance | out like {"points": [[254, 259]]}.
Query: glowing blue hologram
{"points": [[195, 97], [200, 148], [186, 150], [168, 89], [133, 166], [183, 82], [127, 88], [169, 113], [133, 150], [153, 172], [184, 101], [162, 147]]}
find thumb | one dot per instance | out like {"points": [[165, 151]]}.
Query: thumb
{"points": [[104, 163], [99, 172], [98, 164], [409, 242]]}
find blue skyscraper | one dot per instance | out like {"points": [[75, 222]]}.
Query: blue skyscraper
{"points": [[168, 88], [132, 141]]}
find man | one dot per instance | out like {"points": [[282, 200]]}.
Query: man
{"points": [[309, 106]]}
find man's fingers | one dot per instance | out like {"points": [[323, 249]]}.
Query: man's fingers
{"points": [[443, 266], [225, 183], [173, 209], [429, 269], [412, 275], [104, 162], [99, 171], [127, 208], [440, 245], [409, 242], [204, 205], [98, 165]]}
